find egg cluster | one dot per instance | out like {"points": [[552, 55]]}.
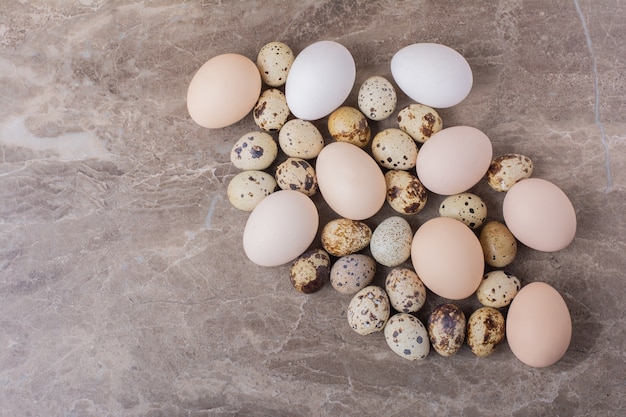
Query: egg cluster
{"points": [[358, 171]]}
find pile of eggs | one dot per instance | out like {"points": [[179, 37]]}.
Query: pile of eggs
{"points": [[356, 174]]}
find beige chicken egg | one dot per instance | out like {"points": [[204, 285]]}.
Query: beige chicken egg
{"points": [[254, 151], [368, 310], [419, 121], [405, 192], [407, 337], [298, 175], [347, 124], [274, 62], [271, 111], [394, 149], [300, 139], [248, 188], [405, 290], [350, 273], [485, 331], [342, 236]]}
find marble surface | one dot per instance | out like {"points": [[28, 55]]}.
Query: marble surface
{"points": [[124, 290]]}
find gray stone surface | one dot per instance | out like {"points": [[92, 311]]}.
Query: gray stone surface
{"points": [[124, 290]]}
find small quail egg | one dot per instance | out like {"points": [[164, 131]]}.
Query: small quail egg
{"points": [[300, 139], [498, 243], [297, 174], [506, 170], [406, 291], [391, 241], [248, 188], [405, 192], [368, 310], [377, 98], [446, 329], [407, 336], [485, 331], [271, 111], [310, 271], [350, 273], [394, 149], [497, 289], [466, 207], [419, 121], [254, 151], [342, 237], [347, 124], [274, 62]]}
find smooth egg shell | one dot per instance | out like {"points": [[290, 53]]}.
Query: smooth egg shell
{"points": [[539, 325], [350, 181], [453, 160], [223, 91], [320, 79], [280, 228], [540, 215], [448, 258]]}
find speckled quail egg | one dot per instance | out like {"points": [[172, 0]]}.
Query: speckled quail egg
{"points": [[485, 331], [394, 149], [254, 151], [498, 288], [274, 62], [466, 207], [506, 170], [407, 336], [271, 111], [350, 273], [498, 243], [405, 290], [248, 188], [390, 244], [347, 124], [310, 271], [342, 237], [377, 98], [446, 329], [300, 139], [419, 121], [368, 310], [405, 192], [298, 175]]}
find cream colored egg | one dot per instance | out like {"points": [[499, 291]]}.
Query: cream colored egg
{"points": [[300, 139], [407, 337], [446, 329], [274, 62], [310, 271], [419, 121], [298, 175], [368, 310], [507, 170], [485, 331], [377, 98], [391, 241], [405, 290], [248, 188], [254, 151], [394, 149], [405, 192], [342, 237], [498, 243], [350, 273], [466, 207], [271, 111], [347, 124], [498, 288]]}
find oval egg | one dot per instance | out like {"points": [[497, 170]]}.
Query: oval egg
{"points": [[448, 258], [223, 91], [453, 160], [350, 181], [432, 74], [540, 215], [320, 79], [280, 228], [538, 325]]}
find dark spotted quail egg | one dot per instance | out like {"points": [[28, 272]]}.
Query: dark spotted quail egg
{"points": [[485, 331], [446, 329], [405, 192], [254, 151], [394, 149], [498, 243], [248, 188], [310, 271], [298, 175], [347, 124], [271, 111], [350, 273], [419, 121], [407, 337], [342, 237], [274, 62], [405, 290], [300, 139], [507, 170], [498, 288], [377, 98], [368, 310], [466, 207]]}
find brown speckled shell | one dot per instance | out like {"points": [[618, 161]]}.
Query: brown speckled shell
{"points": [[405, 192], [406, 291], [485, 331], [498, 288], [419, 121], [498, 243], [506, 170], [298, 175], [368, 310], [347, 124], [446, 329], [310, 271], [342, 237], [271, 111]]}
